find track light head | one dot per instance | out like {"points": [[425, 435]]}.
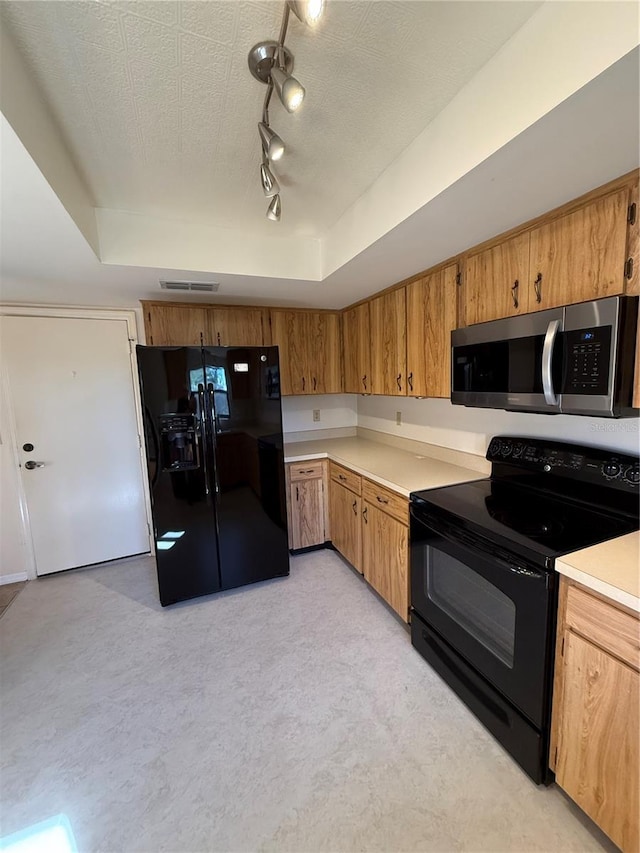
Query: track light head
{"points": [[274, 210], [270, 185], [307, 11], [290, 92], [272, 145]]}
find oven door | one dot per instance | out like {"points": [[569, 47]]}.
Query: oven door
{"points": [[493, 608]]}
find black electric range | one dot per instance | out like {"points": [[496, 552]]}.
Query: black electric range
{"points": [[484, 590]]}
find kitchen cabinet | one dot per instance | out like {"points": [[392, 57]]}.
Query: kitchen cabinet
{"points": [[175, 325], [432, 314], [356, 337], [388, 320], [581, 255], [310, 361], [238, 327], [370, 528], [346, 520], [596, 701], [496, 281], [306, 504]]}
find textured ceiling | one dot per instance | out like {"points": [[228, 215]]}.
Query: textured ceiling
{"points": [[160, 111]]}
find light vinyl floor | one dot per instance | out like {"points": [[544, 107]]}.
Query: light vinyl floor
{"points": [[288, 716]]}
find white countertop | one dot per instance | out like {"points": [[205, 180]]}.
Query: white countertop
{"points": [[400, 470], [611, 568]]}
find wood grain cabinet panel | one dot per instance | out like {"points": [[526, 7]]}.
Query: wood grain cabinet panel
{"points": [[175, 325], [356, 348], [307, 513], [581, 255], [496, 281], [238, 327], [288, 333], [431, 316], [385, 561], [346, 523], [345, 477], [388, 318], [323, 360]]}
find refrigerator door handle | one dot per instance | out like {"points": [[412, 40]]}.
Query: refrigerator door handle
{"points": [[203, 430], [214, 432], [550, 395]]}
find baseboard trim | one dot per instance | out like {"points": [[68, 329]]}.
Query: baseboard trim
{"points": [[17, 578]]}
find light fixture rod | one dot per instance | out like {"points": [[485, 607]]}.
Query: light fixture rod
{"points": [[283, 34], [265, 106]]}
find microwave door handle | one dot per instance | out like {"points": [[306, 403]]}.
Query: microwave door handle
{"points": [[547, 357]]}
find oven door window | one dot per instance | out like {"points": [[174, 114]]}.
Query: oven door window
{"points": [[474, 603]]}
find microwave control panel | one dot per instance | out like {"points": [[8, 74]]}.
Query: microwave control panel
{"points": [[588, 356]]}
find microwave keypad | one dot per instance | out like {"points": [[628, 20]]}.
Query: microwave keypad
{"points": [[588, 356]]}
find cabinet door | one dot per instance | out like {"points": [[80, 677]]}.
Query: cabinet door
{"points": [[346, 523], [597, 761], [356, 349], [237, 327], [580, 256], [388, 343], [496, 281], [307, 513], [175, 325], [431, 316], [385, 549], [288, 333], [323, 373]]}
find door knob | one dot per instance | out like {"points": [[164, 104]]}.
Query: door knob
{"points": [[30, 465]]}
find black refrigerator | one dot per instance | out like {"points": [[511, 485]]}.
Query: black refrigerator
{"points": [[213, 433]]}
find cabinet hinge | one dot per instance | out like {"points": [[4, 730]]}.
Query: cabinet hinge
{"points": [[628, 268], [631, 214], [459, 278]]}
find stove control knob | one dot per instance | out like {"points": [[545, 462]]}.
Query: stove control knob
{"points": [[632, 475], [507, 447], [518, 450], [495, 447], [611, 469]]}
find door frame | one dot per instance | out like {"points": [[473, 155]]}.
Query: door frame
{"points": [[129, 316]]}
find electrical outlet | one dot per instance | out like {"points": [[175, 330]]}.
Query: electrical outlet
{"points": [[398, 418], [316, 415]]}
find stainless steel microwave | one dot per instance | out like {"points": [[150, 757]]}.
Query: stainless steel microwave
{"points": [[574, 360]]}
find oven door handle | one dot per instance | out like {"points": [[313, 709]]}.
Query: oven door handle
{"points": [[462, 539]]}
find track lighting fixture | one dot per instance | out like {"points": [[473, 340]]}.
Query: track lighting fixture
{"points": [[271, 62], [270, 185], [275, 209], [307, 11], [272, 145]]}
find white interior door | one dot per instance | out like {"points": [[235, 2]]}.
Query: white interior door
{"points": [[72, 394]]}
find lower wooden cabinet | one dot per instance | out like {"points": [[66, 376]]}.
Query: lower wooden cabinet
{"points": [[306, 505], [369, 527], [596, 701]]}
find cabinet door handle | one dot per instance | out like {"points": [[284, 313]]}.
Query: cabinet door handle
{"points": [[398, 381], [514, 292], [364, 515], [297, 494], [218, 338], [381, 500], [314, 383], [537, 286], [355, 507], [364, 381], [410, 381], [341, 477], [303, 383]]}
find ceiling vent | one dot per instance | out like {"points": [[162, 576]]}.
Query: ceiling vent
{"points": [[195, 286]]}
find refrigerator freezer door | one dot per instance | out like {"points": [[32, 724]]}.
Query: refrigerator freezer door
{"points": [[182, 499], [244, 409]]}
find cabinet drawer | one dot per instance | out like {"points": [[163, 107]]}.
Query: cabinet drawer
{"points": [[604, 625], [345, 477], [390, 502], [305, 470]]}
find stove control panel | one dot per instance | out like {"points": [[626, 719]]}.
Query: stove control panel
{"points": [[589, 464]]}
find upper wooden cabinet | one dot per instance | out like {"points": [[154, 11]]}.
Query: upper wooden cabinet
{"points": [[309, 343], [431, 316], [581, 255], [496, 281], [175, 325], [239, 327], [389, 343], [356, 337]]}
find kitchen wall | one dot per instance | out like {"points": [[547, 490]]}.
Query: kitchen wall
{"points": [[439, 422], [338, 412]]}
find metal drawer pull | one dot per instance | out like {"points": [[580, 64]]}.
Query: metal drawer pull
{"points": [[381, 500], [364, 381], [306, 471], [355, 505], [398, 381], [341, 477], [364, 515], [514, 293], [537, 286], [410, 380]]}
